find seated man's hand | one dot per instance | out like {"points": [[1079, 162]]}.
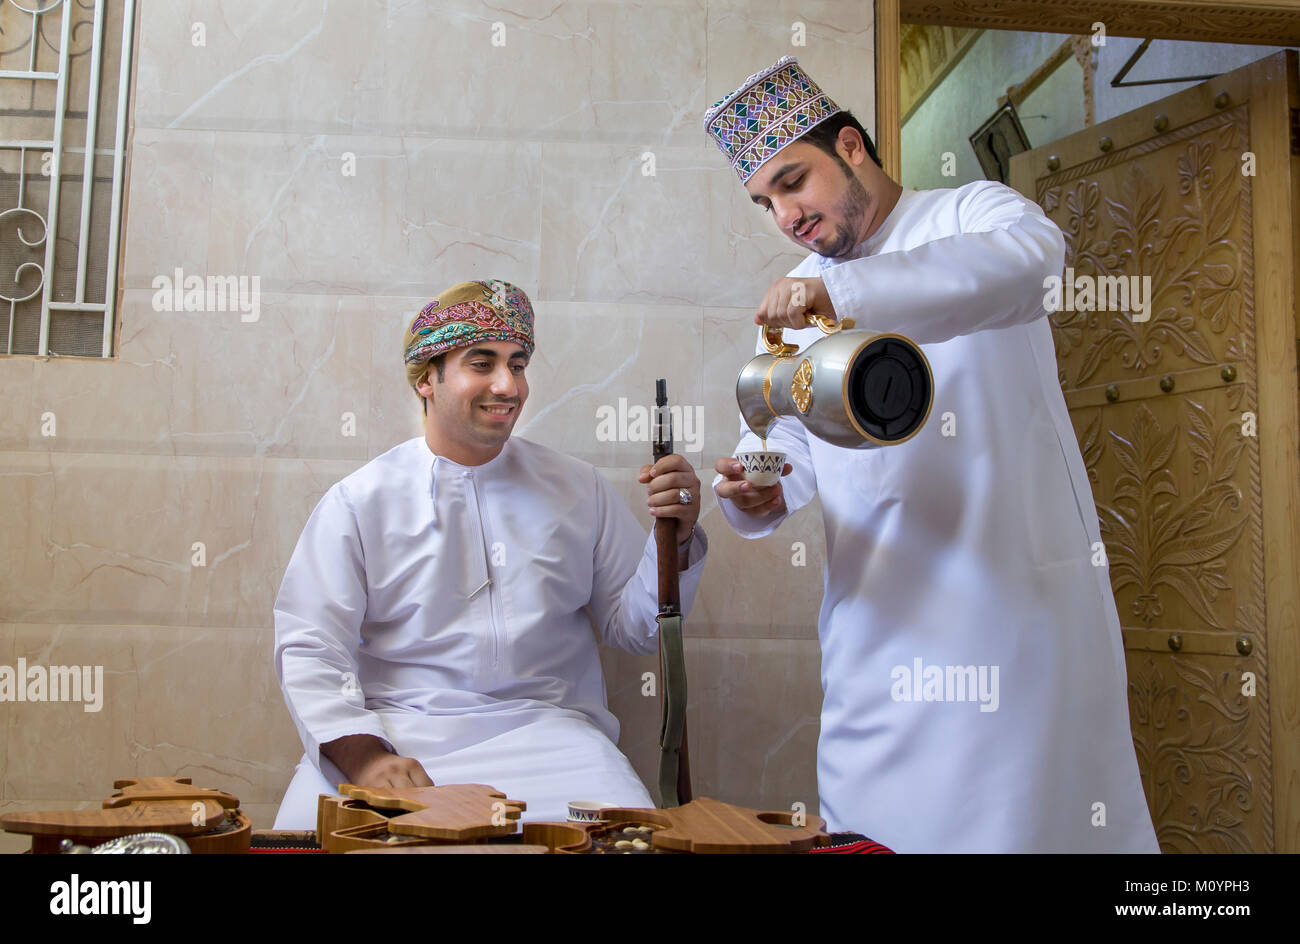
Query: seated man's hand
{"points": [[746, 496], [393, 771], [664, 481], [366, 763]]}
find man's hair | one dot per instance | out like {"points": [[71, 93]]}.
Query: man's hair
{"points": [[825, 134], [417, 372]]}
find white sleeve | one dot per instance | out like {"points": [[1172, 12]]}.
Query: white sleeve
{"points": [[318, 615], [625, 580], [991, 275]]}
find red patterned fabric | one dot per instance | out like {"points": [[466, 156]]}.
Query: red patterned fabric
{"points": [[852, 844]]}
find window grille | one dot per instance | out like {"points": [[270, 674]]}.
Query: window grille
{"points": [[65, 68]]}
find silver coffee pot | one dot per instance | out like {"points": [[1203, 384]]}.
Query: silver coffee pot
{"points": [[851, 388]]}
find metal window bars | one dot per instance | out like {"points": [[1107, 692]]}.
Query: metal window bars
{"points": [[53, 308]]}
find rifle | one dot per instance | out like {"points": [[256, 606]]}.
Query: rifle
{"points": [[674, 760]]}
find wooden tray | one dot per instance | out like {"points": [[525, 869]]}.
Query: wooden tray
{"points": [[381, 820], [377, 818], [562, 838], [457, 812], [710, 827], [145, 804]]}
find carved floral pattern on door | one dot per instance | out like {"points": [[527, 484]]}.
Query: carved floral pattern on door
{"points": [[1175, 479]]}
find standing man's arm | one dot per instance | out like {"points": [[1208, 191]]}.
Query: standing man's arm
{"points": [[625, 579], [318, 615], [991, 275]]}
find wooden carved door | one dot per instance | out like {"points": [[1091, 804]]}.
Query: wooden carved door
{"points": [[1182, 389]]}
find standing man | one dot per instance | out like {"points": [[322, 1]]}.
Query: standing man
{"points": [[433, 623], [972, 665]]}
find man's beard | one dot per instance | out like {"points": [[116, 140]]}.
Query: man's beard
{"points": [[852, 210]]}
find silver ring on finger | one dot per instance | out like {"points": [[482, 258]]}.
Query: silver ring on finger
{"points": [[684, 496]]}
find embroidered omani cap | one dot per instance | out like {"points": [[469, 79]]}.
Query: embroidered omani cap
{"points": [[466, 314], [771, 109]]}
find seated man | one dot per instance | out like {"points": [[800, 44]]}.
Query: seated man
{"points": [[433, 621]]}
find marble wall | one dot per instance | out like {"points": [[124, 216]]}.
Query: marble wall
{"points": [[358, 158]]}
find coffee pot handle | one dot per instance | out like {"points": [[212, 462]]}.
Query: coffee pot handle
{"points": [[779, 348]]}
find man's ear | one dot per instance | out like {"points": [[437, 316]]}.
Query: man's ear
{"points": [[855, 150], [424, 379]]}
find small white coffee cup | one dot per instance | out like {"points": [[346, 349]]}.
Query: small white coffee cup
{"points": [[587, 811], [761, 469]]}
